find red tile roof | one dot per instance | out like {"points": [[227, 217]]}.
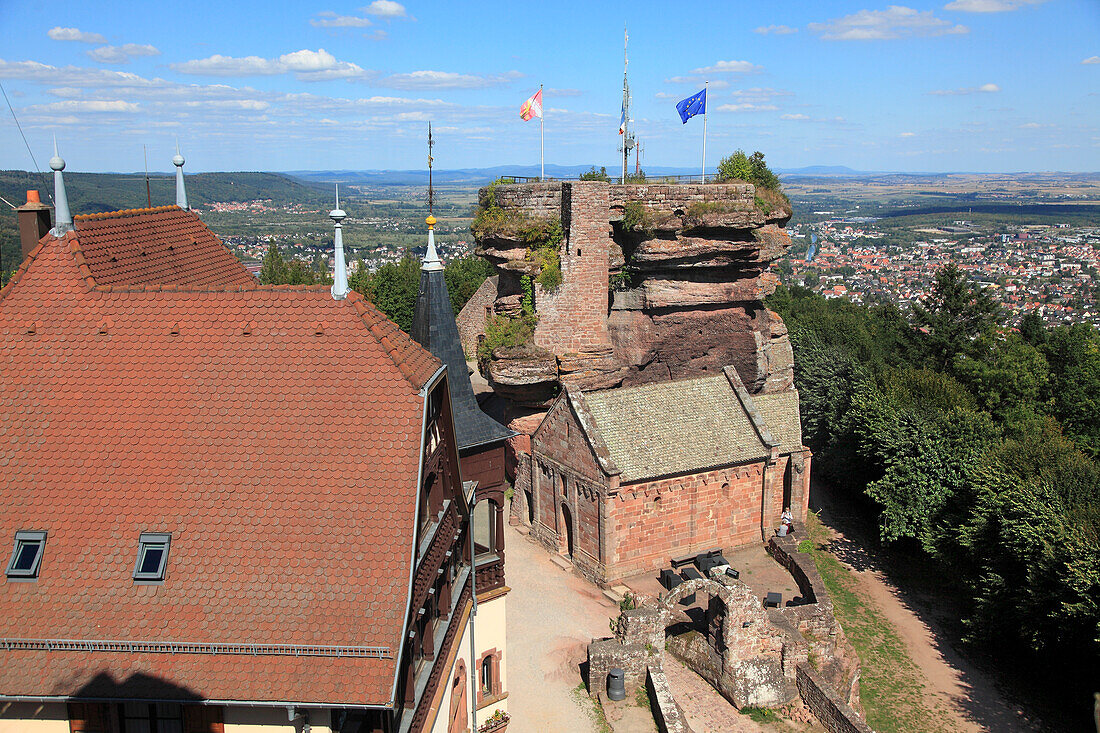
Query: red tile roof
{"points": [[161, 246], [274, 432]]}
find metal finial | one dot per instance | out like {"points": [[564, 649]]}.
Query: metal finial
{"points": [[339, 288], [431, 191], [181, 190], [63, 219]]}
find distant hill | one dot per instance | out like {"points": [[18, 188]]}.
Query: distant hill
{"points": [[467, 176], [92, 193]]}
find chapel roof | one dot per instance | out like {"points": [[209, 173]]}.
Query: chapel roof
{"points": [[688, 425], [273, 431]]}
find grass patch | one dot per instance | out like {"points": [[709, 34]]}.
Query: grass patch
{"points": [[506, 331], [591, 706], [890, 683], [641, 697], [760, 715]]}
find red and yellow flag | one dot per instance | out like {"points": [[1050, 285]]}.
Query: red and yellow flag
{"points": [[532, 107]]}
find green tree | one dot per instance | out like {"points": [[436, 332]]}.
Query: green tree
{"points": [[464, 276], [1012, 375], [274, 270], [393, 289], [1033, 329], [596, 175], [751, 168], [1073, 353], [954, 315]]}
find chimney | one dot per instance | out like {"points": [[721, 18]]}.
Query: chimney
{"points": [[34, 222]]}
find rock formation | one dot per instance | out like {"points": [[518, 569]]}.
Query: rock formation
{"points": [[658, 282]]}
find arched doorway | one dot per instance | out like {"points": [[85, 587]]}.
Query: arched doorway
{"points": [[459, 702], [567, 531]]}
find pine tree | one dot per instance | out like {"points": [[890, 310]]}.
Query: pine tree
{"points": [[274, 270]]}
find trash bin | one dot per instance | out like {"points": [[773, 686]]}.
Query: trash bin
{"points": [[616, 684]]}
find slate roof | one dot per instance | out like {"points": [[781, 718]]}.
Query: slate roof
{"points": [[161, 246], [780, 413], [689, 425], [273, 431], [435, 329]]}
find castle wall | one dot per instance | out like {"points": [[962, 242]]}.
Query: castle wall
{"points": [[573, 318]]}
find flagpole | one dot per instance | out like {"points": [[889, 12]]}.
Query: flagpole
{"points": [[704, 171], [542, 138]]}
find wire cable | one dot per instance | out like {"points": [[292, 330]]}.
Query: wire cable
{"points": [[20, 128]]}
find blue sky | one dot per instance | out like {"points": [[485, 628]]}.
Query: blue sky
{"points": [[954, 85]]}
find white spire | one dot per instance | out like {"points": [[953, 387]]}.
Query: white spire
{"points": [[340, 271], [431, 257], [181, 191], [61, 202]]}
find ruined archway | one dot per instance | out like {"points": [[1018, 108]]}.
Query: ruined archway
{"points": [[741, 652]]}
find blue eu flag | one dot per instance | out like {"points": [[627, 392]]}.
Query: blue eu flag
{"points": [[696, 104]]}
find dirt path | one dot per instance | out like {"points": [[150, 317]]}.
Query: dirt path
{"points": [[552, 615], [952, 684]]}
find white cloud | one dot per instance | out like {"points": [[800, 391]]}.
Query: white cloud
{"points": [[775, 30], [988, 6], [447, 80], [385, 9], [329, 19], [122, 54], [74, 34], [551, 92], [747, 107], [1092, 60], [377, 35], [727, 67], [714, 84], [306, 65], [983, 89], [907, 134], [897, 21], [795, 117], [757, 94], [72, 105]]}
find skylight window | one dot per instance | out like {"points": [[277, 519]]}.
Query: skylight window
{"points": [[152, 556], [27, 555]]}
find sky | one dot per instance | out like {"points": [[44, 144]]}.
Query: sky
{"points": [[953, 85]]}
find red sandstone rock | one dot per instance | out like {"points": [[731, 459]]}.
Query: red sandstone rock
{"points": [[526, 375]]}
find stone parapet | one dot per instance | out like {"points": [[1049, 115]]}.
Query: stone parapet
{"points": [[826, 705]]}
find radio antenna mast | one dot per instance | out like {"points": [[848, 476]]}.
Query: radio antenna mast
{"points": [[628, 139]]}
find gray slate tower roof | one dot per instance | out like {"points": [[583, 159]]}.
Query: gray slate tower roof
{"points": [[435, 329]]}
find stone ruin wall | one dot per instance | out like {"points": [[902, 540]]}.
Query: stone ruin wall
{"points": [[694, 303], [768, 657]]}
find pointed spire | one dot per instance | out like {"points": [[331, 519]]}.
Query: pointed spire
{"points": [[432, 262], [181, 191], [61, 202], [339, 288]]}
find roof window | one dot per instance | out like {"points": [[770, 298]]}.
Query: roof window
{"points": [[27, 555], [152, 558]]}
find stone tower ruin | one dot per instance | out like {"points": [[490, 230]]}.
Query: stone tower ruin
{"points": [[658, 282]]}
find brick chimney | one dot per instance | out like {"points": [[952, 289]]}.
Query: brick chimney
{"points": [[34, 222]]}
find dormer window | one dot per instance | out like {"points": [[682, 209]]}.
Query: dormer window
{"points": [[27, 555], [152, 557]]}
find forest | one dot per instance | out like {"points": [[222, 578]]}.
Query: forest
{"points": [[976, 448]]}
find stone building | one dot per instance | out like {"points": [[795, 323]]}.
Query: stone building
{"points": [[621, 481]]}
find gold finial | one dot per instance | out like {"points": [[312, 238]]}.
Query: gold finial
{"points": [[430, 221]]}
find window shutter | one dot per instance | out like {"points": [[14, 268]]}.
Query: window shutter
{"points": [[203, 719], [87, 717]]}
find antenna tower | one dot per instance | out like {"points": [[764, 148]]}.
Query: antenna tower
{"points": [[628, 139]]}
